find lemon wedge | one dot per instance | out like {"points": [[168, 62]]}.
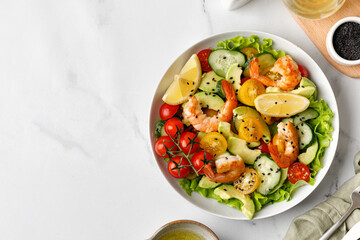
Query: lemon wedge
{"points": [[281, 104], [185, 83]]}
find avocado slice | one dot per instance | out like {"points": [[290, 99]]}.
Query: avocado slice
{"points": [[243, 112], [306, 88], [283, 178], [206, 183], [208, 82], [225, 130], [233, 75], [238, 146], [227, 191]]}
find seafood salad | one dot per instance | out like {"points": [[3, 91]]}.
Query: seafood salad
{"points": [[241, 123]]}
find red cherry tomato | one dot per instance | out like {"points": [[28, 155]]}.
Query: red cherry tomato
{"points": [[185, 142], [263, 147], [172, 126], [203, 57], [168, 111], [179, 167], [198, 160], [303, 71], [243, 80], [298, 171], [160, 144]]}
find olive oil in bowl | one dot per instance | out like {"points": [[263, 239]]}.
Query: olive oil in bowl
{"points": [[181, 234], [313, 9]]}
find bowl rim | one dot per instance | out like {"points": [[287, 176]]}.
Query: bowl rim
{"points": [[336, 120], [330, 46], [186, 221]]}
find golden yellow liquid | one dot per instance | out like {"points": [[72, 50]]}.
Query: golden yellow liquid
{"points": [[314, 9], [181, 234]]}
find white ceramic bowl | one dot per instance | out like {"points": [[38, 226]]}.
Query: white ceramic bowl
{"points": [[190, 225], [330, 46], [325, 92]]}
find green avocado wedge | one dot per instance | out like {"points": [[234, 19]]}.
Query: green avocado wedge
{"points": [[227, 191]]}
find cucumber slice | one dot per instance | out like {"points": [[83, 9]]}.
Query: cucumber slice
{"points": [[282, 180], [310, 154], [221, 60], [265, 60], [269, 173], [306, 136], [159, 128], [309, 113], [209, 81]]}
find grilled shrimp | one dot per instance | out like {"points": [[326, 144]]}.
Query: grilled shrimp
{"points": [[228, 169], [202, 122], [285, 66], [289, 137]]}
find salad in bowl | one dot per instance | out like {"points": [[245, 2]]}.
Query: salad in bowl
{"points": [[242, 123]]}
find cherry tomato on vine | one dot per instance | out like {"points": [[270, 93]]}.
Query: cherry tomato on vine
{"points": [[203, 57], [263, 147], [298, 171], [189, 140], [200, 159], [172, 126], [179, 167], [303, 71], [160, 144], [168, 111]]}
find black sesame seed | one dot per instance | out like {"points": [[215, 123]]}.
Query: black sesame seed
{"points": [[207, 82], [231, 77], [221, 133], [225, 189], [207, 106], [275, 102], [187, 83], [226, 158], [263, 174], [259, 164], [233, 82], [196, 116], [269, 173], [262, 181], [213, 89], [271, 169], [224, 57], [216, 139]]}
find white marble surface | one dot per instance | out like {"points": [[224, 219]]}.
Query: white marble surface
{"points": [[76, 84]]}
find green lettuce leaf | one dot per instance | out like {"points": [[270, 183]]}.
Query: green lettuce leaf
{"points": [[240, 42], [322, 129]]}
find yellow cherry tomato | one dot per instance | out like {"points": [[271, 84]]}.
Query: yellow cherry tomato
{"points": [[279, 143], [214, 143], [248, 181], [249, 52], [250, 129], [250, 90]]}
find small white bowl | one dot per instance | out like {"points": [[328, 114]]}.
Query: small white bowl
{"points": [[330, 46], [199, 228]]}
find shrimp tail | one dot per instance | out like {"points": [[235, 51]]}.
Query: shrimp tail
{"points": [[254, 73], [209, 172]]}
